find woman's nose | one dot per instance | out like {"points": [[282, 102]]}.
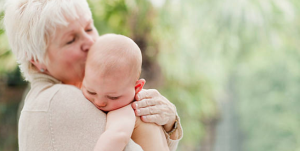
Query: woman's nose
{"points": [[88, 42]]}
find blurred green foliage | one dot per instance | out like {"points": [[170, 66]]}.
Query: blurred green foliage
{"points": [[246, 52], [211, 52], [7, 61], [110, 16], [8, 131]]}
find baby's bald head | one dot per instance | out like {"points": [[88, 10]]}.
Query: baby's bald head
{"points": [[115, 54]]}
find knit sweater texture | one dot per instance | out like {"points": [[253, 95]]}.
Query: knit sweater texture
{"points": [[57, 117]]}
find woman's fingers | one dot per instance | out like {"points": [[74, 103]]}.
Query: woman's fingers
{"points": [[159, 114], [148, 111], [150, 118], [145, 94], [153, 107], [145, 103]]}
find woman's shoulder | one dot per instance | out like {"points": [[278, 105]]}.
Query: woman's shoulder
{"points": [[59, 98], [69, 103], [65, 90], [70, 97], [64, 116]]}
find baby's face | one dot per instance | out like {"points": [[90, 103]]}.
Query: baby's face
{"points": [[108, 92]]}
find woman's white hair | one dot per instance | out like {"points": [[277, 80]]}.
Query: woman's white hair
{"points": [[30, 24]]}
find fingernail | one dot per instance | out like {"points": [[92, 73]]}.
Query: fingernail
{"points": [[138, 112], [136, 105]]}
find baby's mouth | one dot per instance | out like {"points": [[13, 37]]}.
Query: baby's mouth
{"points": [[102, 108]]}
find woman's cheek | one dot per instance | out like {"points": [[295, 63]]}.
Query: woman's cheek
{"points": [[75, 54], [77, 57]]}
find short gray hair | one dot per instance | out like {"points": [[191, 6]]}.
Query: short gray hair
{"points": [[29, 24]]}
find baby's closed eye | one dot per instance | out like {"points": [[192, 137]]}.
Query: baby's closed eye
{"points": [[113, 98], [91, 93]]}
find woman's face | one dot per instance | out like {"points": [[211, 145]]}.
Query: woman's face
{"points": [[68, 50]]}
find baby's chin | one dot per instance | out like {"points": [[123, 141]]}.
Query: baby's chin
{"points": [[105, 109]]}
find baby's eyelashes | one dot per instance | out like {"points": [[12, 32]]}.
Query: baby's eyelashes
{"points": [[91, 93], [113, 98]]}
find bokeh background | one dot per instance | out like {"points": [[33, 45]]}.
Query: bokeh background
{"points": [[231, 67]]}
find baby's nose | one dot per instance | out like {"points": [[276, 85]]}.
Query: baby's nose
{"points": [[101, 103]]}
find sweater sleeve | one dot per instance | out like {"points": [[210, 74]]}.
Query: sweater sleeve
{"points": [[173, 144]]}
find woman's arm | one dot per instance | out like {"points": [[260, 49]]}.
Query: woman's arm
{"points": [[119, 126]]}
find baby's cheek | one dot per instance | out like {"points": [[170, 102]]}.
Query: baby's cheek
{"points": [[120, 104], [87, 96]]}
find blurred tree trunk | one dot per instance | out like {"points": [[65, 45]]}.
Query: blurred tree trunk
{"points": [[208, 141], [10, 96], [141, 19], [229, 135]]}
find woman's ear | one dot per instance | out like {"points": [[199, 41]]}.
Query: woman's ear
{"points": [[39, 66], [139, 85]]}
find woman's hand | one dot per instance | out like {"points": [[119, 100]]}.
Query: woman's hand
{"points": [[155, 108]]}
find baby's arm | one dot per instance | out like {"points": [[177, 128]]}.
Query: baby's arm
{"points": [[149, 136], [119, 126]]}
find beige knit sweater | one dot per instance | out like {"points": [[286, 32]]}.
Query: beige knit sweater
{"points": [[58, 117]]}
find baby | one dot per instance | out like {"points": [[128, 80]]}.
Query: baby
{"points": [[111, 81]]}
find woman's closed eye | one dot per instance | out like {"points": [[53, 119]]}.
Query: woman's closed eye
{"points": [[89, 30], [73, 39], [70, 42]]}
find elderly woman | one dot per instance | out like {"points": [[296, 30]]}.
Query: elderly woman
{"points": [[51, 39]]}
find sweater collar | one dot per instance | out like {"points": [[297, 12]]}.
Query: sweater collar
{"points": [[40, 77]]}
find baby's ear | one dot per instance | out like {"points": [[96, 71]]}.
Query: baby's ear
{"points": [[139, 85]]}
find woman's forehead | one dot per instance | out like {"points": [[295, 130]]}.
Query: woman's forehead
{"points": [[81, 21], [73, 25]]}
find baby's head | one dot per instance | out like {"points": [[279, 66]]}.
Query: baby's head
{"points": [[112, 72]]}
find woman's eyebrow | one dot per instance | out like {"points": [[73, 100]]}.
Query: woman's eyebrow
{"points": [[67, 33], [89, 22]]}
